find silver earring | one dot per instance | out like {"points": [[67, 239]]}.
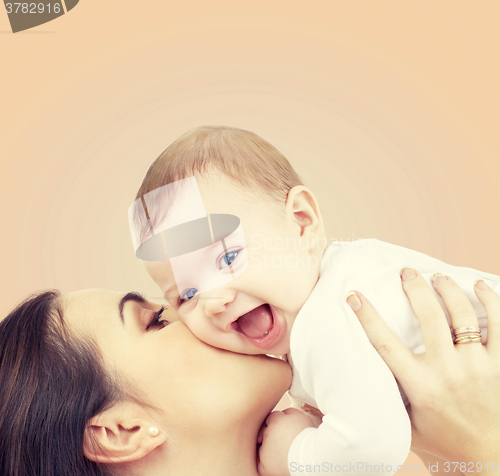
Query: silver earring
{"points": [[153, 431]]}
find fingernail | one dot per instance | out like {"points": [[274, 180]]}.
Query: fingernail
{"points": [[353, 301], [408, 273], [482, 285], [438, 278]]}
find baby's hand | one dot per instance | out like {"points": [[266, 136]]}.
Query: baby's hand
{"points": [[276, 436]]}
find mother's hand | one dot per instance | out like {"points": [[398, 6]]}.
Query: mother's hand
{"points": [[454, 390]]}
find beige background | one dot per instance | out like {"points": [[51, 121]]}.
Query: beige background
{"points": [[389, 110]]}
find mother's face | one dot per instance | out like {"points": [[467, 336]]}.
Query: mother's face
{"points": [[180, 375]]}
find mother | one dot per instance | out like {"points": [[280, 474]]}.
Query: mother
{"points": [[98, 383]]}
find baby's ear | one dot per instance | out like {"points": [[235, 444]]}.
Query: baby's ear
{"points": [[303, 209], [121, 434]]}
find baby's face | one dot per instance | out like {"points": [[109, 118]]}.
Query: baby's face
{"points": [[254, 312]]}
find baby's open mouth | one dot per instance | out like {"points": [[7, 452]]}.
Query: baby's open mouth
{"points": [[258, 326]]}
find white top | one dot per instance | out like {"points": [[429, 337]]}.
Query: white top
{"points": [[336, 369]]}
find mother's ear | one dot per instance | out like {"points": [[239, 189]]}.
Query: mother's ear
{"points": [[121, 434]]}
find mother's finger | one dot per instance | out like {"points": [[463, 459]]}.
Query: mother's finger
{"points": [[491, 301], [458, 304], [423, 300], [396, 355]]}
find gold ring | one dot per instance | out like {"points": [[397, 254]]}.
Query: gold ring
{"points": [[467, 330], [477, 336], [468, 339]]}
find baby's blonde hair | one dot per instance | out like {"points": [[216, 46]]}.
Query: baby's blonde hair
{"points": [[239, 154]]}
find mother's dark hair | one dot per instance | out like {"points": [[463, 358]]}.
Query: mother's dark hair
{"points": [[51, 384]]}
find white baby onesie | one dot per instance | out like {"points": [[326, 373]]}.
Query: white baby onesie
{"points": [[365, 429]]}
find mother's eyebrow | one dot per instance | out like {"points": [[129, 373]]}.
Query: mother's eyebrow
{"points": [[131, 296]]}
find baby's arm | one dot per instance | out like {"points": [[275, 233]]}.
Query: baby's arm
{"points": [[350, 437], [390, 259], [276, 436], [366, 427]]}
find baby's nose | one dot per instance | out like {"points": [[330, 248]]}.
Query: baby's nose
{"points": [[216, 302], [214, 306]]}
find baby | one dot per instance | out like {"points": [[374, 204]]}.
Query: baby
{"points": [[269, 284]]}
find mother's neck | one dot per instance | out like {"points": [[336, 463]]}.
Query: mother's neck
{"points": [[223, 451], [235, 453]]}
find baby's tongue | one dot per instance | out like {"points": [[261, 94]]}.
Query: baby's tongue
{"points": [[257, 322]]}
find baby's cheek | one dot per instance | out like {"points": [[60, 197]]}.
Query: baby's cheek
{"points": [[201, 327]]}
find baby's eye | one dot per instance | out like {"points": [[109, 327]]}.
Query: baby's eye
{"points": [[227, 258], [187, 295]]}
